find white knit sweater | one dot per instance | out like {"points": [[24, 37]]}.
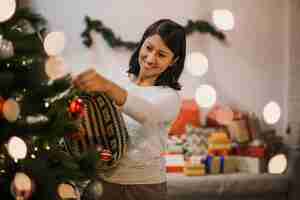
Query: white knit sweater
{"points": [[146, 110]]}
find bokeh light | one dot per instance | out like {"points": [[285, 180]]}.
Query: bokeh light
{"points": [[11, 110], [56, 67], [197, 64], [17, 148], [277, 164], [206, 96], [271, 113], [22, 182], [223, 19], [7, 9], [54, 43]]}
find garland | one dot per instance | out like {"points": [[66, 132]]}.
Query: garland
{"points": [[114, 42]]}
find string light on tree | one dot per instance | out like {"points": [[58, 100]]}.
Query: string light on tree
{"points": [[47, 104], [17, 148], [55, 67], [206, 96], [223, 19], [54, 43], [11, 110], [197, 64], [7, 9], [271, 113]]}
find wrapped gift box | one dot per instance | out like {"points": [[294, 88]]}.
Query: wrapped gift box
{"points": [[175, 149], [250, 151], [221, 164], [230, 165], [194, 169], [238, 131], [213, 164], [174, 163], [219, 144], [251, 164]]}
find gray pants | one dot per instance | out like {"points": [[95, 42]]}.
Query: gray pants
{"points": [[114, 191]]}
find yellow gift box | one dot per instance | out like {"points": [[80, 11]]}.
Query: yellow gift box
{"points": [[194, 169]]}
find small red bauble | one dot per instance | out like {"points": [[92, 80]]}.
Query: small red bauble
{"points": [[76, 107], [105, 155]]}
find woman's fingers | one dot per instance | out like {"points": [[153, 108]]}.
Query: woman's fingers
{"points": [[90, 81], [85, 77], [87, 72]]}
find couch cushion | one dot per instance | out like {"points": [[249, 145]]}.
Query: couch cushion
{"points": [[227, 184]]}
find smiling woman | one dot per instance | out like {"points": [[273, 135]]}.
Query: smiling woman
{"points": [[154, 58], [154, 70]]}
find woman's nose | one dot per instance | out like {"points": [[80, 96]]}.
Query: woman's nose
{"points": [[151, 58]]}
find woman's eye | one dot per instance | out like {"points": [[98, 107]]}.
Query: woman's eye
{"points": [[148, 48], [162, 55]]}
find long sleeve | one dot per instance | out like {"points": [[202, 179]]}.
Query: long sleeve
{"points": [[162, 106], [146, 108]]}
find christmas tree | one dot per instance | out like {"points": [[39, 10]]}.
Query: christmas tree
{"points": [[38, 111]]}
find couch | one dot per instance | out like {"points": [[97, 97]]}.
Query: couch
{"points": [[240, 186]]}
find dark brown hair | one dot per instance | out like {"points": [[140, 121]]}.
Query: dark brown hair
{"points": [[174, 37]]}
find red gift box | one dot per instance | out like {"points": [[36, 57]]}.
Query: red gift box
{"points": [[258, 152]]}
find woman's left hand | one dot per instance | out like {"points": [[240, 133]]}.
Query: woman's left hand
{"points": [[91, 81]]}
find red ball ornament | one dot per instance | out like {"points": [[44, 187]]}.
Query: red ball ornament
{"points": [[76, 107], [105, 155]]}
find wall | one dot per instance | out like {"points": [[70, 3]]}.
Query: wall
{"points": [[294, 73], [248, 73]]}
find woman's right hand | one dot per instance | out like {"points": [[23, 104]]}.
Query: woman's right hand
{"points": [[91, 81]]}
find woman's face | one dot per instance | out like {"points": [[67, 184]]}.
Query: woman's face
{"points": [[154, 57]]}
